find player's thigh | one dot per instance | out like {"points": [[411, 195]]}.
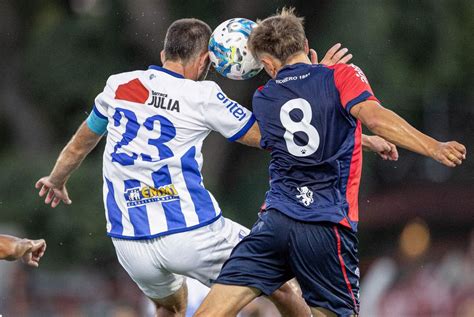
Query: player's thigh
{"points": [[260, 260], [324, 259], [139, 258], [200, 253]]}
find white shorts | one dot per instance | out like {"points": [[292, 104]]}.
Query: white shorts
{"points": [[158, 265]]}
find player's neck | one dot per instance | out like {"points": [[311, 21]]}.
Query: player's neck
{"points": [[299, 58], [296, 59], [176, 67]]}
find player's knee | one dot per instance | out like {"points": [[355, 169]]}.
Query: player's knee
{"points": [[289, 301], [322, 312], [174, 305], [205, 311], [177, 309]]}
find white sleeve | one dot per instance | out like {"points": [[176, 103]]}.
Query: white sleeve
{"points": [[100, 104], [225, 115]]}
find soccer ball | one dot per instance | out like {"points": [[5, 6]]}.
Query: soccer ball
{"points": [[228, 49]]}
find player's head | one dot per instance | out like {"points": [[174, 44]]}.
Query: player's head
{"points": [[186, 43], [277, 39]]}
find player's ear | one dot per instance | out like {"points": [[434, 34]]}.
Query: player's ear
{"points": [[269, 66], [204, 60], [306, 46], [162, 56]]}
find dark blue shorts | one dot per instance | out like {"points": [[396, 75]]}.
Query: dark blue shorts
{"points": [[322, 257]]}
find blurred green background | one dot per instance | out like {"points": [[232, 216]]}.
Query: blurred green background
{"points": [[55, 57]]}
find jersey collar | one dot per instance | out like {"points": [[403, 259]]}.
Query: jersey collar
{"points": [[164, 70], [287, 68]]}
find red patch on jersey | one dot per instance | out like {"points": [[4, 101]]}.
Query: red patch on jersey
{"points": [[133, 91], [260, 88]]}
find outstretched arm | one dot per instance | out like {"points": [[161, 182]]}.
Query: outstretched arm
{"points": [[395, 129], [71, 157]]}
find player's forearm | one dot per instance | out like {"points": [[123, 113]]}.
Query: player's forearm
{"points": [[73, 154], [252, 137], [395, 129], [367, 143], [7, 247]]}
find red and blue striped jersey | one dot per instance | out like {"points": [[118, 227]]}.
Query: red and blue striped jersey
{"points": [[315, 142]]}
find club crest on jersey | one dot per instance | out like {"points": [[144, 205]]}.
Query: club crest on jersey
{"points": [[161, 101], [146, 194], [305, 195]]}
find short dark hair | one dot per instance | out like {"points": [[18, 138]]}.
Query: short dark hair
{"points": [[185, 39], [281, 35]]}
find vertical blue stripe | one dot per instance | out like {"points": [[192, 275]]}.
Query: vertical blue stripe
{"points": [[174, 215], [199, 195], [138, 214], [113, 211]]}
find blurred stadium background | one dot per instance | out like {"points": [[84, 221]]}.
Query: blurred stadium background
{"points": [[417, 219]]}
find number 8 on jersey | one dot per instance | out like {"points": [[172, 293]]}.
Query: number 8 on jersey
{"points": [[292, 127]]}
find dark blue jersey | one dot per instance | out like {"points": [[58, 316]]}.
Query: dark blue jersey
{"points": [[315, 143]]}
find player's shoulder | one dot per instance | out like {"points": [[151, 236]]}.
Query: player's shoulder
{"points": [[209, 90], [345, 69], [261, 91], [121, 78], [207, 85], [347, 72]]}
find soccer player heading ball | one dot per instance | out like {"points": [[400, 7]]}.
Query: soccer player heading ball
{"points": [[310, 119], [163, 222]]}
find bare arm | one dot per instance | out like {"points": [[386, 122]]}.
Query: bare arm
{"points": [[71, 157], [252, 137], [13, 248], [395, 129]]}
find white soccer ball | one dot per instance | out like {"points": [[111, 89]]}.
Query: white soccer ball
{"points": [[228, 49]]}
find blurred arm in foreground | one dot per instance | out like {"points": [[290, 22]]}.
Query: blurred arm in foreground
{"points": [[29, 251]]}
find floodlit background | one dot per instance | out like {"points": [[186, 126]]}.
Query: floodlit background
{"points": [[417, 217]]}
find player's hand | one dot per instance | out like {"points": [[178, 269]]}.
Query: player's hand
{"points": [[335, 55], [33, 251], [449, 153], [385, 149], [54, 193]]}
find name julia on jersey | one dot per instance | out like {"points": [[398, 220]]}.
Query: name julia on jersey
{"points": [[161, 101]]}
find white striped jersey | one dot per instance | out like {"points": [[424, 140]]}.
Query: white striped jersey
{"points": [[156, 122]]}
